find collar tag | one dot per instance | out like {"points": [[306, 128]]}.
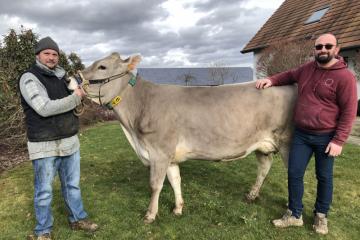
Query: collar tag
{"points": [[132, 81], [115, 101]]}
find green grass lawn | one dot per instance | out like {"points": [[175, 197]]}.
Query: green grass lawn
{"points": [[116, 194]]}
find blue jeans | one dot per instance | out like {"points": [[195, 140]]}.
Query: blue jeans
{"points": [[45, 170], [303, 146]]}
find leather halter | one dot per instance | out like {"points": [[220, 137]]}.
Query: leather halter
{"points": [[102, 81]]}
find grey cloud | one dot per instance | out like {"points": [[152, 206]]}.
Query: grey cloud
{"points": [[213, 4], [126, 26], [95, 16]]}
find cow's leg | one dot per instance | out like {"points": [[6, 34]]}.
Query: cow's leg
{"points": [[157, 176], [284, 152], [173, 175], [264, 165]]}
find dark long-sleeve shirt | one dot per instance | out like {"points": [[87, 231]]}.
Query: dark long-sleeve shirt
{"points": [[327, 98]]}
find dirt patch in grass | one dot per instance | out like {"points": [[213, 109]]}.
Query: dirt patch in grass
{"points": [[10, 158]]}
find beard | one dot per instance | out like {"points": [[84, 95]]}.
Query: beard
{"points": [[323, 58]]}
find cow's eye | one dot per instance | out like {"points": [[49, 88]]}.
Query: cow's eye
{"points": [[101, 67]]}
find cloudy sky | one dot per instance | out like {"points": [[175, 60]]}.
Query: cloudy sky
{"points": [[167, 33]]}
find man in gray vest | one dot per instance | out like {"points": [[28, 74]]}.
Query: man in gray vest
{"points": [[53, 143]]}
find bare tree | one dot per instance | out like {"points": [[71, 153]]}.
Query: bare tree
{"points": [[218, 72], [187, 77], [283, 56]]}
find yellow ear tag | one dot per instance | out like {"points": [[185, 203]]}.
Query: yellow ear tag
{"points": [[116, 101]]}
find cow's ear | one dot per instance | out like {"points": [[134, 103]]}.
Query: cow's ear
{"points": [[134, 61]]}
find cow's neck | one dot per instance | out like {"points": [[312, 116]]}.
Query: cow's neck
{"points": [[132, 103], [130, 111]]}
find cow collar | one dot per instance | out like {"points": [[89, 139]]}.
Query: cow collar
{"points": [[117, 99], [79, 77]]}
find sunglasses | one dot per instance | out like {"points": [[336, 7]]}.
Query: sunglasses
{"points": [[327, 46]]}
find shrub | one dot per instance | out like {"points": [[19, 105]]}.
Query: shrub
{"points": [[283, 56]]}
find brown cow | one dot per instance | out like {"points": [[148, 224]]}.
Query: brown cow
{"points": [[168, 124]]}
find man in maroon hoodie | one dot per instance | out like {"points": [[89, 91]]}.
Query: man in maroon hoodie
{"points": [[323, 116]]}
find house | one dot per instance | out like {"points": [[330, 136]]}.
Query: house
{"points": [[197, 76], [307, 19]]}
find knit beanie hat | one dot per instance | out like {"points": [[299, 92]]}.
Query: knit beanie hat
{"points": [[46, 43]]}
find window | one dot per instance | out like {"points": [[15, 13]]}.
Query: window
{"points": [[316, 16]]}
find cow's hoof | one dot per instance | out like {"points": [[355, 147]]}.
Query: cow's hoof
{"points": [[149, 218], [250, 198], [177, 211]]}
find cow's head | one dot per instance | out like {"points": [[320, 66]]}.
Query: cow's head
{"points": [[107, 78]]}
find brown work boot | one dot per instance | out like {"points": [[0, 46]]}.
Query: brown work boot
{"points": [[85, 225], [288, 220], [45, 236], [320, 224]]}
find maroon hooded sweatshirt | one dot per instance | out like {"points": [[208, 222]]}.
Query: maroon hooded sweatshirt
{"points": [[327, 98]]}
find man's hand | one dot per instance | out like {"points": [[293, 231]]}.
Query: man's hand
{"points": [[80, 91], [263, 83], [333, 149]]}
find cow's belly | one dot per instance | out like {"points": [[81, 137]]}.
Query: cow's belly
{"points": [[193, 148], [187, 150]]}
